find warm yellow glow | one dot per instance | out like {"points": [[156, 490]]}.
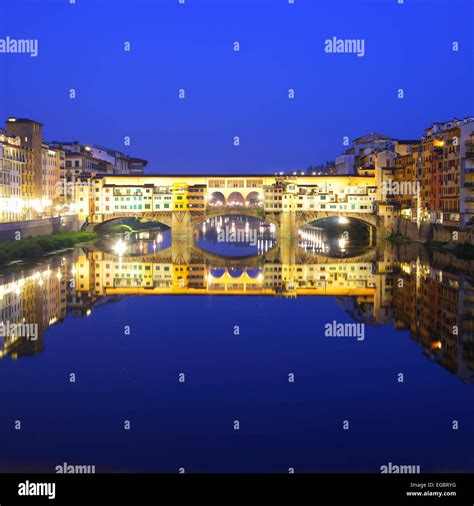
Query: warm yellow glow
{"points": [[120, 247]]}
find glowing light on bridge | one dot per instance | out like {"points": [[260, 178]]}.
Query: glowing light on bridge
{"points": [[120, 247], [342, 244]]}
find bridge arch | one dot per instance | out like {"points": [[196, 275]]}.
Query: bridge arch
{"points": [[217, 272], [235, 272], [369, 222], [235, 212], [254, 272], [305, 218], [254, 198], [129, 219], [216, 199], [235, 199]]}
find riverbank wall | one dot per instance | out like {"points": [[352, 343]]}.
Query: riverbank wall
{"points": [[433, 232], [17, 230]]}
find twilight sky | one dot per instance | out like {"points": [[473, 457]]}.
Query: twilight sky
{"points": [[230, 93]]}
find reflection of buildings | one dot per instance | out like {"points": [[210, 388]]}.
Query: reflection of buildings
{"points": [[38, 297], [438, 308], [373, 288], [366, 287]]}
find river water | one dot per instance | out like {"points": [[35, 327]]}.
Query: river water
{"points": [[237, 353]]}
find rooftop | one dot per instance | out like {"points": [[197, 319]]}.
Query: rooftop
{"points": [[22, 120]]}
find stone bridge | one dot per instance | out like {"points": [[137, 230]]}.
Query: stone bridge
{"points": [[184, 223]]}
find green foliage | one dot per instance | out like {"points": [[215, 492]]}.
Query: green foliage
{"points": [[116, 229], [36, 247]]}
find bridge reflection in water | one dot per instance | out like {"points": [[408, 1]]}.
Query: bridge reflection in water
{"points": [[381, 286]]}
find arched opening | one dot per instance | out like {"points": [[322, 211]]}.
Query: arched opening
{"points": [[217, 272], [253, 272], [235, 272], [129, 224], [235, 235], [254, 199], [216, 199], [337, 236], [235, 199]]}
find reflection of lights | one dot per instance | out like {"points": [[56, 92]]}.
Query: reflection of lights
{"points": [[436, 345], [343, 220], [406, 268], [342, 244], [88, 312], [120, 247]]}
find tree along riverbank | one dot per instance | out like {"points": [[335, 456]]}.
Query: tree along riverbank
{"points": [[37, 247]]}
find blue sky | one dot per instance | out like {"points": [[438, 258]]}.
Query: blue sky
{"points": [[243, 93]]}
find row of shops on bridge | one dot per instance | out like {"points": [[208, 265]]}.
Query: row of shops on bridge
{"points": [[104, 197]]}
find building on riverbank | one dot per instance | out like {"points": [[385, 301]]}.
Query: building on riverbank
{"points": [[15, 175], [441, 168], [39, 178]]}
